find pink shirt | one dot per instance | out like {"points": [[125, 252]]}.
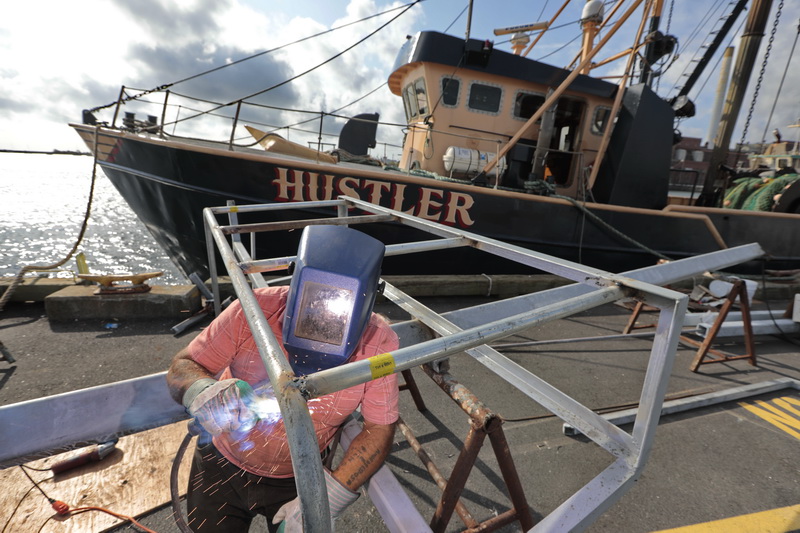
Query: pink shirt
{"points": [[227, 349]]}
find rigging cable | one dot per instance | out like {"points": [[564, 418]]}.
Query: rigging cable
{"points": [[18, 278], [297, 76], [253, 56], [688, 42], [780, 86]]}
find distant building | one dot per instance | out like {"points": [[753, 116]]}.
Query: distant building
{"points": [[690, 159]]}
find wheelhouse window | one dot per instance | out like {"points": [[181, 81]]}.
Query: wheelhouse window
{"points": [[526, 104], [600, 119], [485, 98], [415, 100], [422, 96], [410, 102], [450, 88]]}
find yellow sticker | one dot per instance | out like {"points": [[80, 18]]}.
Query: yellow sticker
{"points": [[381, 365], [234, 209]]}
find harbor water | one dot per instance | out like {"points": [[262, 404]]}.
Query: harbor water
{"points": [[43, 201]]}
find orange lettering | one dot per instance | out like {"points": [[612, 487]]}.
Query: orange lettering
{"points": [[429, 208], [287, 181], [457, 209], [375, 189]]}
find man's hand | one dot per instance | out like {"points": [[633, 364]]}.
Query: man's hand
{"points": [[339, 498], [221, 406]]}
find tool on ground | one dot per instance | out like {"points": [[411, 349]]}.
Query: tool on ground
{"points": [[95, 453]]}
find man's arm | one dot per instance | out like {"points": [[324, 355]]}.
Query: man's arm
{"points": [[182, 373], [365, 455]]}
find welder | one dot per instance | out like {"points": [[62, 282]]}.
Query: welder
{"points": [[323, 319]]}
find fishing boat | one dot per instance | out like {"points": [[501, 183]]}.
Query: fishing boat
{"points": [[546, 158]]}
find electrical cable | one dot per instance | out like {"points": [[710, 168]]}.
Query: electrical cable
{"points": [[16, 508], [173, 485], [63, 509]]}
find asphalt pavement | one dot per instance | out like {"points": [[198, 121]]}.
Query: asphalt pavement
{"points": [[709, 463]]}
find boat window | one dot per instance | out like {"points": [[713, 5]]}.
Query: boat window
{"points": [[526, 104], [600, 119], [411, 101], [450, 88], [422, 96], [484, 98]]}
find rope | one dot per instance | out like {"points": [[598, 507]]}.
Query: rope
{"points": [[611, 229], [18, 278]]}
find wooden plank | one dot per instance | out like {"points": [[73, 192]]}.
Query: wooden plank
{"points": [[132, 480]]}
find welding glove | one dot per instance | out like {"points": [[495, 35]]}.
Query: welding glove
{"points": [[339, 498], [221, 406]]}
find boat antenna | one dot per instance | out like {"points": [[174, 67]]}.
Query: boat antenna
{"points": [[469, 19]]}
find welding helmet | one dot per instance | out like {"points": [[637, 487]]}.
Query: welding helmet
{"points": [[331, 295]]}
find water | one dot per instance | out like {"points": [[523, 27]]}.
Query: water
{"points": [[42, 205]]}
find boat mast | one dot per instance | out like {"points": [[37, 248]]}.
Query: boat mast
{"points": [[751, 40], [649, 49], [552, 98], [469, 19]]}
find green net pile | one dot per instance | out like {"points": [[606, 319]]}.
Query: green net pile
{"points": [[756, 194]]}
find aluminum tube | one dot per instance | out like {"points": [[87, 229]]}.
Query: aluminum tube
{"points": [[298, 224], [266, 265], [300, 433], [248, 208], [606, 435], [659, 368], [212, 262], [349, 375], [563, 268], [425, 246]]}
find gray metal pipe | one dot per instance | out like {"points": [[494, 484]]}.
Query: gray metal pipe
{"points": [[300, 433], [342, 377]]}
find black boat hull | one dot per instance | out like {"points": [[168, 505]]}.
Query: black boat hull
{"points": [[168, 183]]}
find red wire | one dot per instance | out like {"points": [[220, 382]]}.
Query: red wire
{"points": [[63, 509], [132, 520]]}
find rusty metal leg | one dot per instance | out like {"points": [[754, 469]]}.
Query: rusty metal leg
{"points": [[411, 385], [434, 472], [458, 478], [634, 316], [739, 289], [515, 491], [744, 301]]}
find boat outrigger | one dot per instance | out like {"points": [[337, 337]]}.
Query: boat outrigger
{"points": [[546, 158]]}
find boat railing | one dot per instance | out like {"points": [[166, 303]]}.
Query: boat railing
{"points": [[164, 111], [593, 288], [684, 179]]}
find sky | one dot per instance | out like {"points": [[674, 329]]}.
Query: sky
{"points": [[58, 58]]}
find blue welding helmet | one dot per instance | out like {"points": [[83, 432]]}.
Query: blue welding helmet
{"points": [[333, 288]]}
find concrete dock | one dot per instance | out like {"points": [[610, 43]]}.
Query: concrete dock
{"points": [[723, 461]]}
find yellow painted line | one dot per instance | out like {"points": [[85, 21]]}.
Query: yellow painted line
{"points": [[782, 520], [780, 412]]}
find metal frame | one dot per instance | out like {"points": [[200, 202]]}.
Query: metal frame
{"points": [[630, 450]]}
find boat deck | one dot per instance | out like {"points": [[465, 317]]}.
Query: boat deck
{"points": [[716, 462]]}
